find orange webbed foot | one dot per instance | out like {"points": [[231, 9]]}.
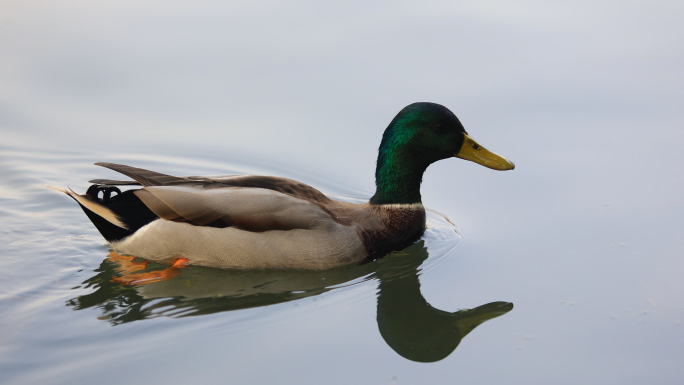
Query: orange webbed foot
{"points": [[137, 279], [127, 264], [180, 263]]}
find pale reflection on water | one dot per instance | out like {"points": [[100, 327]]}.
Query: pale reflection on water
{"points": [[407, 322]]}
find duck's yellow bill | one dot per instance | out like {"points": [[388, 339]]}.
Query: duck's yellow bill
{"points": [[473, 152]]}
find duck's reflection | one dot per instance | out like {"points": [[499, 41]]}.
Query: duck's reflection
{"points": [[413, 328]]}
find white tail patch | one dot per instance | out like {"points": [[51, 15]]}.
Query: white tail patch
{"points": [[94, 207]]}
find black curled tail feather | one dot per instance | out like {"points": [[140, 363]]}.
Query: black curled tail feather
{"points": [[115, 214]]}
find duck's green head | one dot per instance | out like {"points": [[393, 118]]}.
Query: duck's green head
{"points": [[421, 134]]}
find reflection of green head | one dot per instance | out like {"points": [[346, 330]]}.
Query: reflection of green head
{"points": [[426, 334], [411, 326]]}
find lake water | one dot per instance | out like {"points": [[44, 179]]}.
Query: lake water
{"points": [[566, 270]]}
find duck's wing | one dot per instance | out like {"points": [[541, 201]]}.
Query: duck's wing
{"points": [[140, 175], [275, 183], [114, 182], [151, 178], [252, 209]]}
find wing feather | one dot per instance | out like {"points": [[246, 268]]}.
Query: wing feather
{"points": [[152, 178], [252, 209], [112, 182], [142, 176]]}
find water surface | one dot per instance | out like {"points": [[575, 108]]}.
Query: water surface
{"points": [[583, 237]]}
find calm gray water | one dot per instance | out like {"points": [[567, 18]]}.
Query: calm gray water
{"points": [[566, 270]]}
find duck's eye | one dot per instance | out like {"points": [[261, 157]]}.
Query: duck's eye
{"points": [[476, 146], [439, 128]]}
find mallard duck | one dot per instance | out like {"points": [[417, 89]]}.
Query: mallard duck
{"points": [[249, 221]]}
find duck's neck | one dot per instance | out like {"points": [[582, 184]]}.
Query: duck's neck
{"points": [[397, 179]]}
